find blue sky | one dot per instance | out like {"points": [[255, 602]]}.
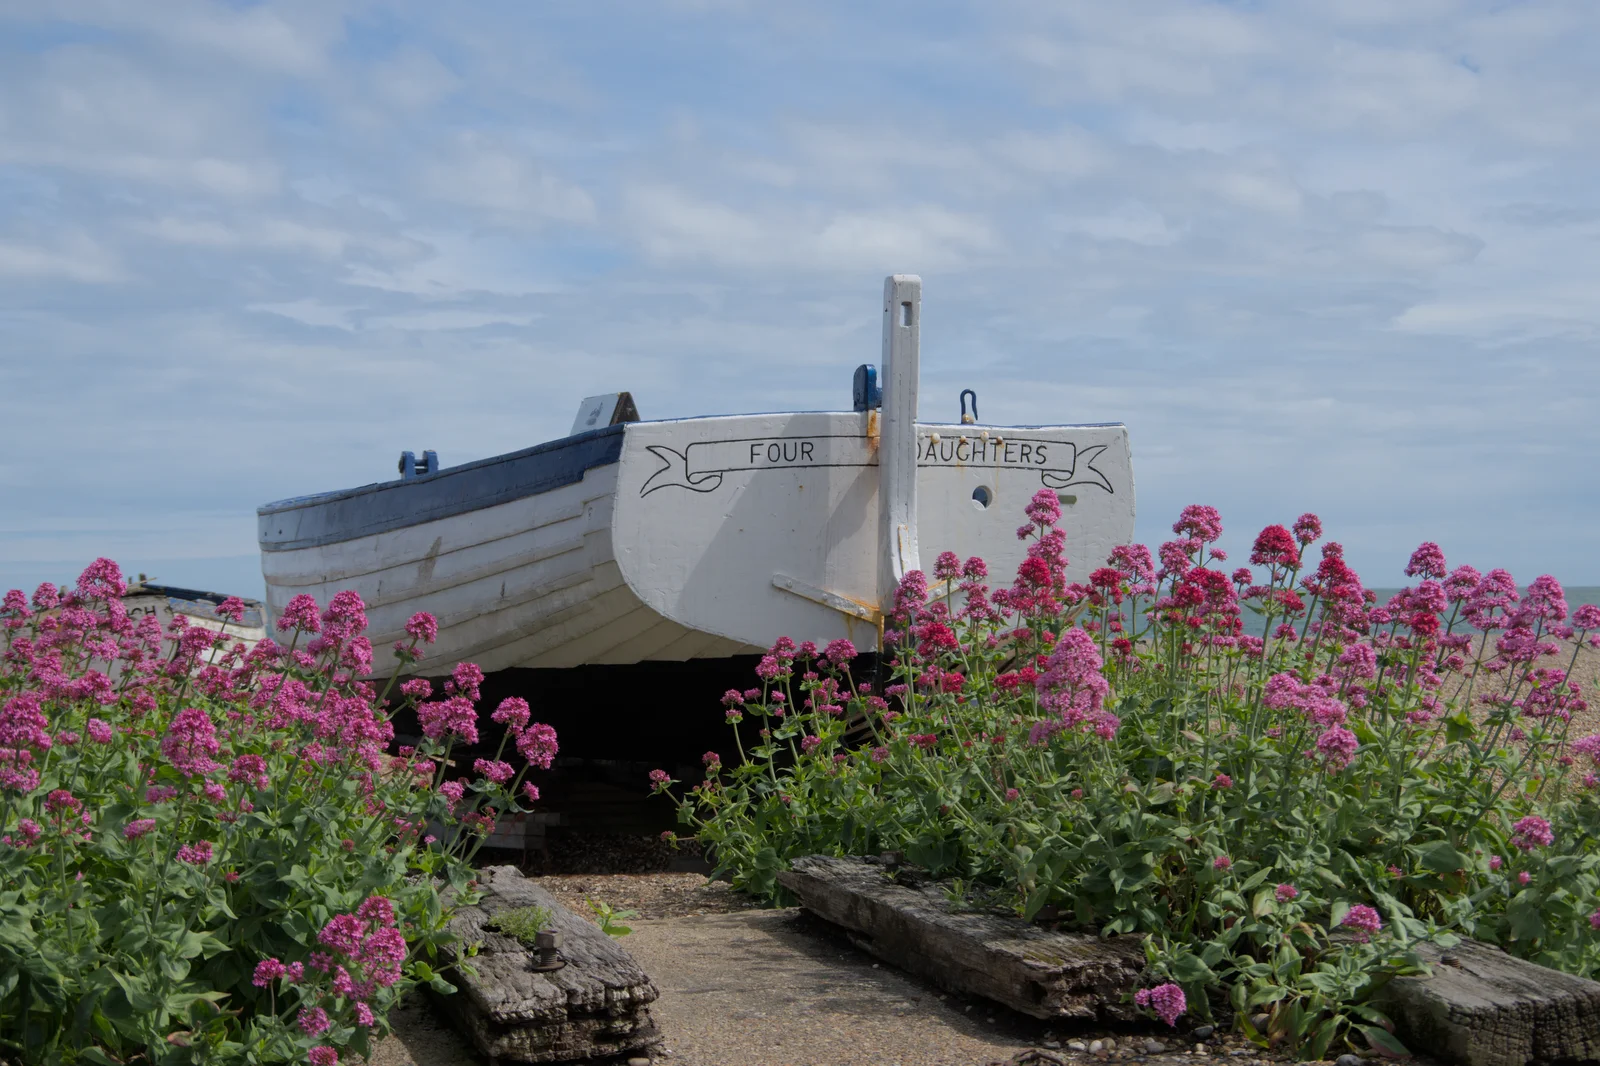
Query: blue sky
{"points": [[1333, 257]]}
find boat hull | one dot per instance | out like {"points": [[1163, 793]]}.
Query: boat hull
{"points": [[674, 540]]}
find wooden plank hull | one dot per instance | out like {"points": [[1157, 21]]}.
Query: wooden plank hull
{"points": [[697, 538]]}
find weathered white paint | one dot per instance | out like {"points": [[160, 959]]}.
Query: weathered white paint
{"points": [[897, 451], [759, 526], [140, 602]]}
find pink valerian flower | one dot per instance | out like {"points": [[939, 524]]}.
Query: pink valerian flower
{"points": [[1589, 745], [880, 753], [1495, 862], [454, 715], [1103, 724], [1072, 684], [102, 580], [1544, 601], [30, 831], [376, 909], [418, 688], [530, 791], [423, 626], [1286, 892], [364, 1016], [769, 669], [99, 731], [839, 652], [63, 803], [251, 770], [1200, 522], [1338, 747], [138, 828], [1166, 1001], [1523, 877], [159, 794], [1532, 832], [1594, 919], [190, 743], [1587, 616], [1275, 547], [1364, 920], [314, 1021], [267, 971], [1222, 781], [1011, 795], [809, 744], [322, 1055], [512, 713], [659, 780], [495, 770], [453, 791], [910, 596], [343, 933], [538, 745], [464, 681], [1307, 528], [1358, 662], [196, 854], [1221, 862], [23, 724], [300, 613], [1427, 561], [1044, 509], [947, 567], [1496, 591]]}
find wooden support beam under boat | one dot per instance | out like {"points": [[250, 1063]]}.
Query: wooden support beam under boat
{"points": [[897, 448]]}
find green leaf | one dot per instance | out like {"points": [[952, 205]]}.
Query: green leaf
{"points": [[1441, 857], [1459, 727], [1384, 1042], [1188, 969]]}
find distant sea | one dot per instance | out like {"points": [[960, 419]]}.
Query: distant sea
{"points": [[1577, 595]]}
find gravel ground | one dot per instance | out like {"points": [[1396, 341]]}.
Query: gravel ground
{"points": [[651, 896], [1585, 673], [745, 986]]}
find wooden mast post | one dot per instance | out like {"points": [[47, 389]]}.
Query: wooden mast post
{"points": [[897, 449]]}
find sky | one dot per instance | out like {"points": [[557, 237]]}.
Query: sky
{"points": [[1331, 257]]}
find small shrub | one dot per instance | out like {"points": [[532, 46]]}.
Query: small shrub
{"points": [[611, 920], [209, 854], [1284, 784], [521, 923]]}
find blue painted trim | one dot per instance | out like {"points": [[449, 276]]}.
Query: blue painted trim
{"points": [[332, 517]]}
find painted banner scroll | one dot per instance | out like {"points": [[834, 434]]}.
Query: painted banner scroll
{"points": [[700, 466]]}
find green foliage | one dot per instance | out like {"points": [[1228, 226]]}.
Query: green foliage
{"points": [[208, 855], [611, 920], [1147, 767], [521, 923]]}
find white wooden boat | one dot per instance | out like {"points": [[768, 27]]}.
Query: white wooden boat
{"points": [[198, 608], [697, 537]]}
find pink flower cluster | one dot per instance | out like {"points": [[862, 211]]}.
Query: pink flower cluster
{"points": [[1364, 920], [1166, 1001]]}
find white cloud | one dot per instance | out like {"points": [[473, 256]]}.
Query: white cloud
{"points": [[506, 182], [76, 258]]}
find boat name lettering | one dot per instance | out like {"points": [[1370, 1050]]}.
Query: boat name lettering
{"points": [[980, 451], [700, 465]]}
